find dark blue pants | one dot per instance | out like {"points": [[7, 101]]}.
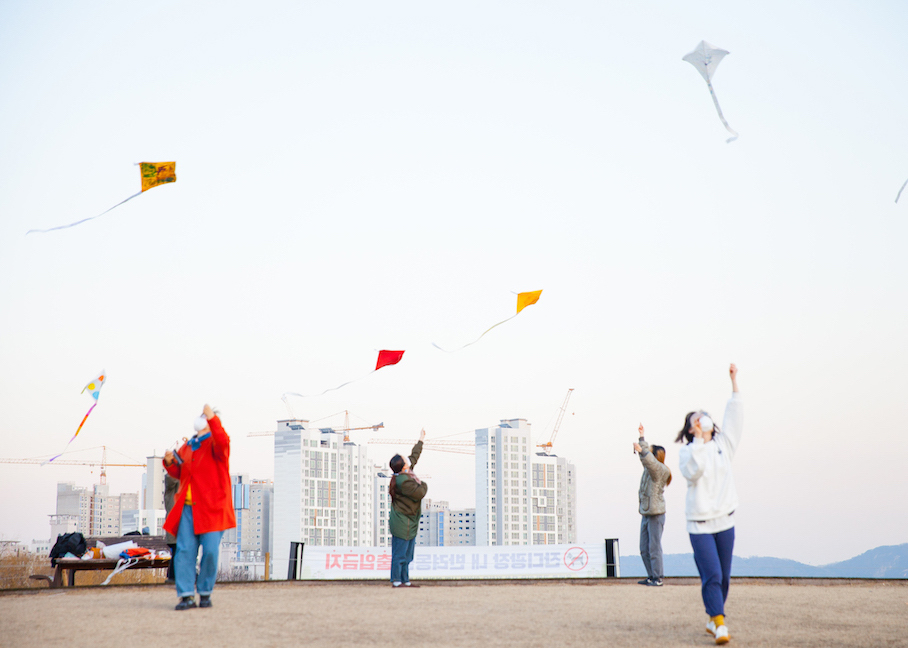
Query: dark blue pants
{"points": [[401, 557], [712, 553]]}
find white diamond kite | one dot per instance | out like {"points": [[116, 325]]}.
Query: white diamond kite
{"points": [[706, 59]]}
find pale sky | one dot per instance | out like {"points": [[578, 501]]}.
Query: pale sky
{"points": [[358, 176]]}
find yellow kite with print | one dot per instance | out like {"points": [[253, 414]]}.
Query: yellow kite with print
{"points": [[152, 175]]}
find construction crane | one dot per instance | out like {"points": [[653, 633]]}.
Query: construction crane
{"points": [[73, 462], [456, 447], [547, 447]]}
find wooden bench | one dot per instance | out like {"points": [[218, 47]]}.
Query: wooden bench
{"points": [[72, 565]]}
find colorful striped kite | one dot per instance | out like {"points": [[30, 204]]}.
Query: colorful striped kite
{"points": [[153, 174], [385, 358], [94, 388], [524, 299]]}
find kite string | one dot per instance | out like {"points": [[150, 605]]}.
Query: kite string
{"points": [[479, 338], [901, 190], [284, 396], [59, 227], [712, 93]]}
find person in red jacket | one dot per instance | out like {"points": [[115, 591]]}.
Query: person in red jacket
{"points": [[203, 508]]}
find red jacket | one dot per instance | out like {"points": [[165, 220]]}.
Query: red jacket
{"points": [[208, 471]]}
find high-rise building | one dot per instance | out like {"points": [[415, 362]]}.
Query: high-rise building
{"points": [[459, 527], [73, 506], [441, 526], [554, 500], [381, 507], [148, 512], [153, 483], [323, 490], [91, 513], [234, 539], [502, 483], [522, 497], [431, 531], [261, 519]]}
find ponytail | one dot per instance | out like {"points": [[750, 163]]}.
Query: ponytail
{"points": [[396, 464], [659, 454]]}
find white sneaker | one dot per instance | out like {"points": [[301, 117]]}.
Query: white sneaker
{"points": [[395, 584], [711, 627], [722, 636]]}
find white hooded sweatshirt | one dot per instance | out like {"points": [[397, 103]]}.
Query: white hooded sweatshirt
{"points": [[711, 493]]}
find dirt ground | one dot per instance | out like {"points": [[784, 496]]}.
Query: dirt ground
{"points": [[615, 612]]}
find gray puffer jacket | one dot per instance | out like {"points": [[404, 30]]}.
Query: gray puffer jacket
{"points": [[652, 484]]}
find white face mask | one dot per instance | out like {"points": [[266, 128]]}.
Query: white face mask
{"points": [[706, 423]]}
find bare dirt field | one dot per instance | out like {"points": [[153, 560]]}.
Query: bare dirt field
{"points": [[613, 612]]}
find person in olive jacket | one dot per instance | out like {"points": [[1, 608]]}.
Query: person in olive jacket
{"points": [[656, 476], [406, 491]]}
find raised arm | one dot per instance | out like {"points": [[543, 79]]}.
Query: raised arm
{"points": [[733, 421], [417, 449], [219, 438], [641, 446]]}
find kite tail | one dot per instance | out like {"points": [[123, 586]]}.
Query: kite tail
{"points": [[477, 339], [284, 396], [59, 227], [900, 191], [712, 93], [84, 418]]}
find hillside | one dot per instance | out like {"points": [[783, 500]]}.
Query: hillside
{"points": [[882, 562]]}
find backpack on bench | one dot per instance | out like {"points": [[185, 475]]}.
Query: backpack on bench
{"points": [[73, 543]]}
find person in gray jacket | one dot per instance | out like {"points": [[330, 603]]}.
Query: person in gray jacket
{"points": [[656, 476]]}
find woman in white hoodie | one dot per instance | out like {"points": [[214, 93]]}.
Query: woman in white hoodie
{"points": [[705, 462]]}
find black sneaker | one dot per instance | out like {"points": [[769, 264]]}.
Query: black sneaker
{"points": [[205, 601], [185, 603], [647, 581], [655, 583]]}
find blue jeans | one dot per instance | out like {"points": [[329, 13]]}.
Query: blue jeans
{"points": [[712, 553], [651, 544], [188, 543], [401, 557]]}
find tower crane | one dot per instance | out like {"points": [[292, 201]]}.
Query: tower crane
{"points": [[547, 447], [74, 462]]}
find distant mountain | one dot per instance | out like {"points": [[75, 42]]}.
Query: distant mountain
{"points": [[882, 562]]}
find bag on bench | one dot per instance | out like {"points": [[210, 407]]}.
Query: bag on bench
{"points": [[73, 543]]}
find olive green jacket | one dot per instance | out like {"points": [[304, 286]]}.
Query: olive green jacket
{"points": [[406, 506]]}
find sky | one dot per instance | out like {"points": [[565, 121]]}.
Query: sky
{"points": [[355, 176]]}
